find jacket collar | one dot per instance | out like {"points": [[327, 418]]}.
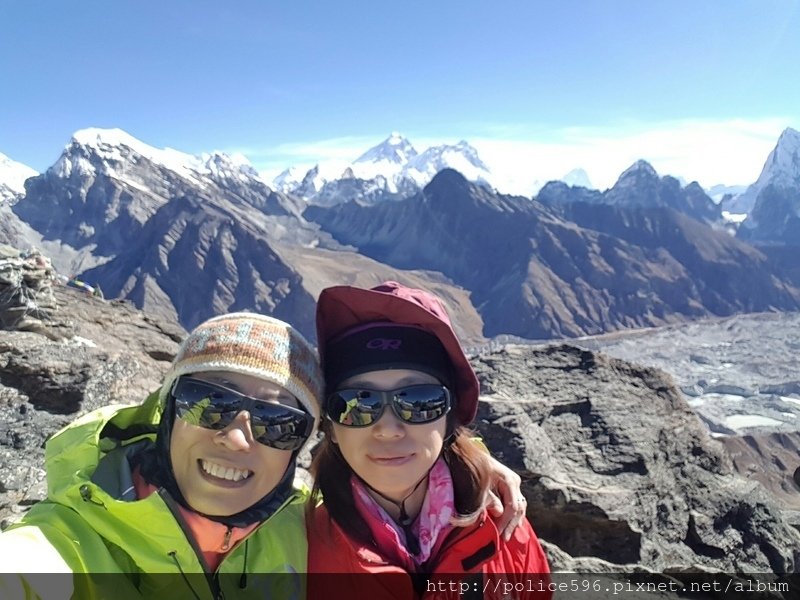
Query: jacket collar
{"points": [[464, 549]]}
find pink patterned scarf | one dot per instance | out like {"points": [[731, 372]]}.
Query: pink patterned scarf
{"points": [[430, 527]]}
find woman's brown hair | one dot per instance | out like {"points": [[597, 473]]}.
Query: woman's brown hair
{"points": [[467, 460]]}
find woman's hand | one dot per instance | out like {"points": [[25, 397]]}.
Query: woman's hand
{"points": [[506, 503]]}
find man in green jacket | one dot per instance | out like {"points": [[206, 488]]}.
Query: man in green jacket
{"points": [[189, 495]]}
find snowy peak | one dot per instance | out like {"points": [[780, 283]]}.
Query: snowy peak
{"points": [[288, 180], [111, 143], [12, 178], [391, 170], [577, 178], [639, 169], [461, 149], [104, 140], [387, 160], [105, 149], [782, 169], [223, 166], [461, 157], [394, 150], [636, 178], [115, 152], [640, 185], [783, 165]]}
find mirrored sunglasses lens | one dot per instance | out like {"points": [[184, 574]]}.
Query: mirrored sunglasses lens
{"points": [[421, 403], [205, 405], [278, 426], [354, 408]]}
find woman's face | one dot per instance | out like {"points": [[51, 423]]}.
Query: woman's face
{"points": [[223, 472], [391, 455]]}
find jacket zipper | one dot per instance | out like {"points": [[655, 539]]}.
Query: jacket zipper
{"points": [[212, 581], [226, 541], [211, 578]]}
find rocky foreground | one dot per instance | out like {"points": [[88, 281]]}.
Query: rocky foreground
{"points": [[739, 375], [619, 472]]}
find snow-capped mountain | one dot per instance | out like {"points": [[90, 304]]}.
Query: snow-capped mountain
{"points": [[775, 215], [640, 185], [390, 170], [460, 157], [12, 178], [387, 159], [578, 177], [781, 170], [640, 176], [180, 235], [289, 179], [107, 184], [112, 151]]}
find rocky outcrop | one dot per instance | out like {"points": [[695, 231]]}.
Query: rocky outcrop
{"points": [[739, 376], [616, 467], [26, 296], [88, 353]]}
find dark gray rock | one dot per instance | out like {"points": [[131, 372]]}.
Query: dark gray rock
{"points": [[774, 219], [640, 185], [754, 354], [617, 467], [557, 192], [89, 353]]}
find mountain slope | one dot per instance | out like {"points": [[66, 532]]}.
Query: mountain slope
{"points": [[199, 256], [538, 274], [781, 169], [106, 185], [640, 185], [12, 179]]}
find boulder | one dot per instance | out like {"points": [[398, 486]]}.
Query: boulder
{"points": [[617, 467], [87, 354]]}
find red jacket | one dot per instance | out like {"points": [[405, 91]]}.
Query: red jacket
{"points": [[474, 562]]}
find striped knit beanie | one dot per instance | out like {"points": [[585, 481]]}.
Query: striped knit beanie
{"points": [[256, 345]]}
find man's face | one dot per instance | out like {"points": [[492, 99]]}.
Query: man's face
{"points": [[221, 473]]}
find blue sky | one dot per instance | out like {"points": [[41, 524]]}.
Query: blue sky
{"points": [[701, 89]]}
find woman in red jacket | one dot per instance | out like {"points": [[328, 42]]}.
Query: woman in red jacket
{"points": [[405, 488]]}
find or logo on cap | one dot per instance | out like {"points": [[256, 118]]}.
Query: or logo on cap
{"points": [[384, 344]]}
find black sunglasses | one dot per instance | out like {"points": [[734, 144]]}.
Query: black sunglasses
{"points": [[215, 407], [413, 404]]}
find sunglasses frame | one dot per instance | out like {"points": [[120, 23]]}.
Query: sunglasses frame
{"points": [[245, 403], [389, 397]]}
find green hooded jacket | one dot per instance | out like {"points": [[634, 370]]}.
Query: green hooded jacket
{"points": [[105, 546]]}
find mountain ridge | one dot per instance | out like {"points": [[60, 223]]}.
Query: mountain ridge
{"points": [[570, 262]]}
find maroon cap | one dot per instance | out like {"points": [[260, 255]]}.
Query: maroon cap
{"points": [[342, 308]]}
